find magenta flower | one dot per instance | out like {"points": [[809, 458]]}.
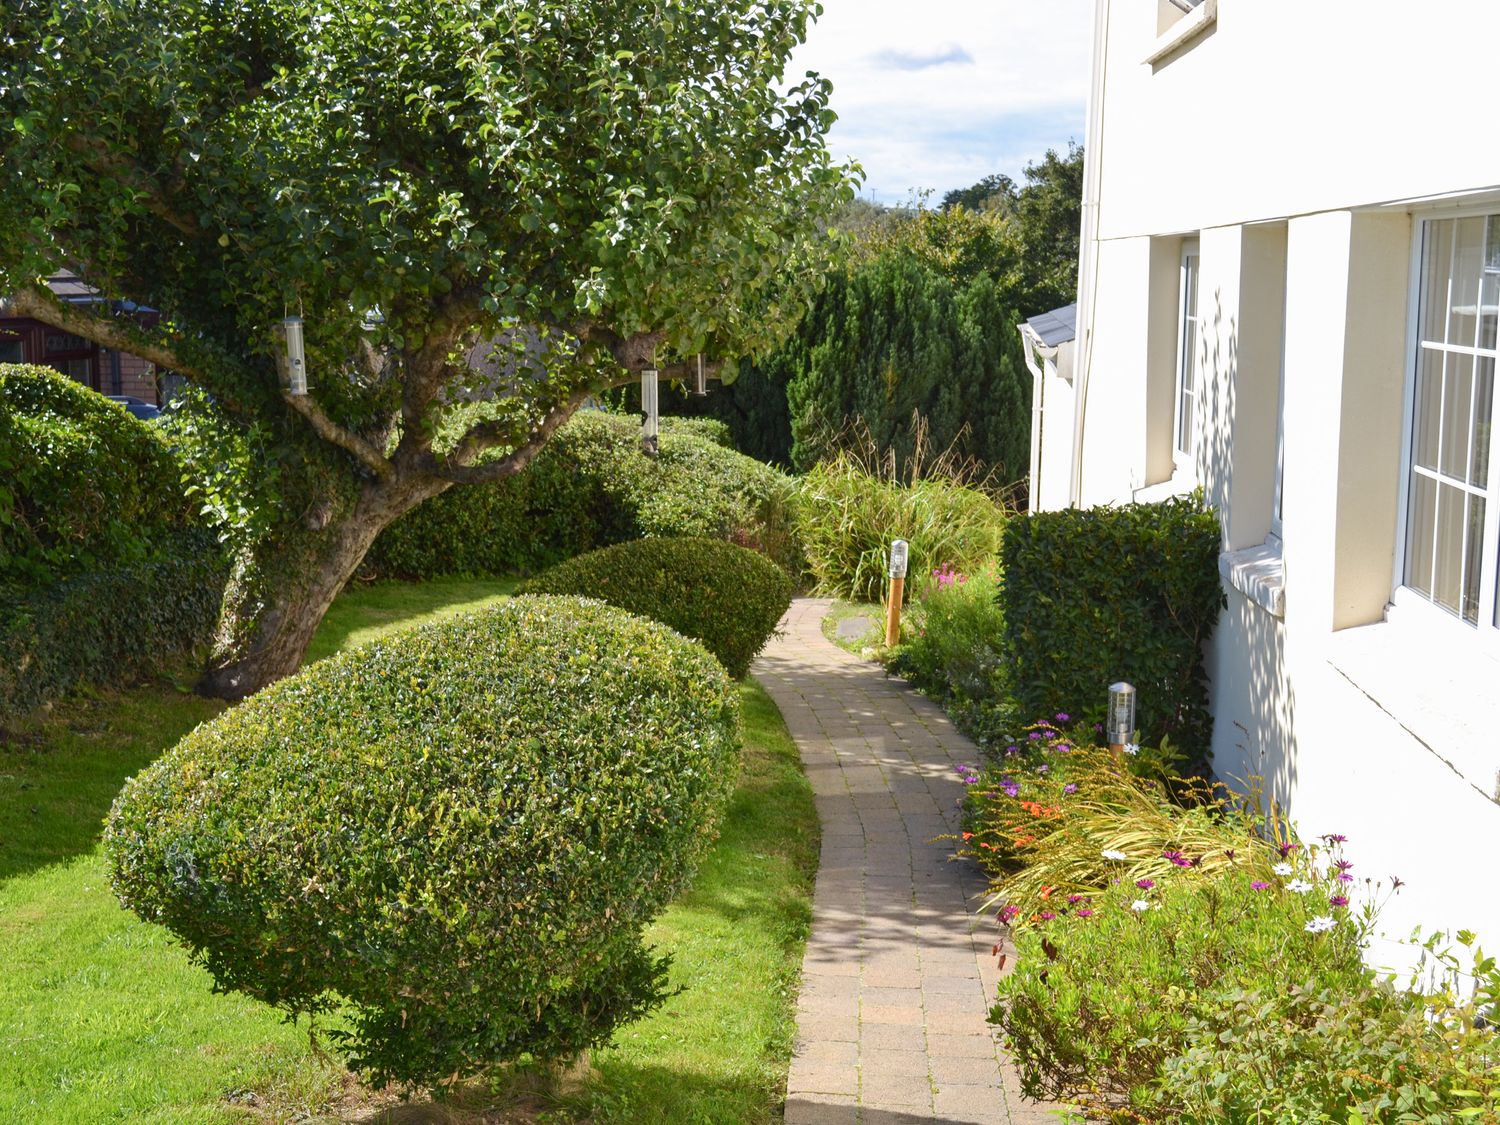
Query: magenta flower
{"points": [[1335, 838], [1229, 853], [1070, 788], [1085, 913], [1342, 864], [1145, 884], [1008, 913], [1046, 916], [1062, 716], [1064, 747], [1285, 850], [1338, 900], [1259, 886], [1345, 877], [1174, 856], [1035, 736]]}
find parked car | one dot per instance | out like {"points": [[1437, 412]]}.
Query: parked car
{"points": [[137, 406]]}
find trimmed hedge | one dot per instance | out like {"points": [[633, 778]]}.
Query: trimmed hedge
{"points": [[1089, 597], [728, 598], [454, 836], [83, 484], [591, 487], [107, 627]]}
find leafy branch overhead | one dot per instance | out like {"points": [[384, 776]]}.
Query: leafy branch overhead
{"points": [[623, 181]]}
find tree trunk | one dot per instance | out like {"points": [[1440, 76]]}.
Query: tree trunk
{"points": [[282, 588]]}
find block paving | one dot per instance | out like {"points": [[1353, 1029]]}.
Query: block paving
{"points": [[899, 974]]}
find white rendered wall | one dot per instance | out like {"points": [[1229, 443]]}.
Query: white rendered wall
{"points": [[1299, 144]]}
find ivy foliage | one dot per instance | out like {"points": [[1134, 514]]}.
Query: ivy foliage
{"points": [[83, 484], [728, 598], [452, 839], [1093, 596]]}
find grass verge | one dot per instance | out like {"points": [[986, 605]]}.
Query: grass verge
{"points": [[102, 1019]]}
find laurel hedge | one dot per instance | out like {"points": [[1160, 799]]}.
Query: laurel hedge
{"points": [[727, 597], [450, 840]]}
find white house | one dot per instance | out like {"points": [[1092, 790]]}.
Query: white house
{"points": [[1288, 296]]}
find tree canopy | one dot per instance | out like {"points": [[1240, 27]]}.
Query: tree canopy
{"points": [[583, 188]]}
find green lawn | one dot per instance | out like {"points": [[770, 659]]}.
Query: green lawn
{"points": [[103, 1019]]}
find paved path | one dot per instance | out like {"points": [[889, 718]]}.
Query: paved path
{"points": [[898, 975]]}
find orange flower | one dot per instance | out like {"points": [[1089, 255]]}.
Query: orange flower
{"points": [[968, 835], [1046, 893]]}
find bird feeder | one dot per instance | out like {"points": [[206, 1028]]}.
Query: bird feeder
{"points": [[898, 589], [650, 413], [296, 355], [1121, 720], [700, 379]]}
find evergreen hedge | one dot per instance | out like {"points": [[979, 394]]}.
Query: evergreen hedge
{"points": [[452, 838], [106, 627], [1092, 596], [591, 487], [728, 598], [84, 485]]}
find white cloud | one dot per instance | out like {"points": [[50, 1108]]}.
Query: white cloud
{"points": [[939, 94]]}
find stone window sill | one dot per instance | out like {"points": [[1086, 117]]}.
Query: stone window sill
{"points": [[1259, 574], [1188, 28]]}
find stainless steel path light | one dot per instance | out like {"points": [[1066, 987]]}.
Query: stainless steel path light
{"points": [[1121, 721]]}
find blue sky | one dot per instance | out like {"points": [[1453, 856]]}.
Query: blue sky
{"points": [[940, 93]]}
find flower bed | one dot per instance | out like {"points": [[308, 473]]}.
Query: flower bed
{"points": [[1183, 958]]}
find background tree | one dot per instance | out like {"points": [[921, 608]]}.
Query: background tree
{"points": [[590, 186], [920, 314]]}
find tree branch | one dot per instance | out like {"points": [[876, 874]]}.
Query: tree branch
{"points": [[98, 156], [347, 440], [39, 303], [513, 462]]}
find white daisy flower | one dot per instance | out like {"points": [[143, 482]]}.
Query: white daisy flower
{"points": [[1140, 905], [1112, 853], [1282, 869], [1132, 748], [1301, 886], [1320, 924]]}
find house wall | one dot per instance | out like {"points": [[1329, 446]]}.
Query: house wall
{"points": [[1299, 145]]}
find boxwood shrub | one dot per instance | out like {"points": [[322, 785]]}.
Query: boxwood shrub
{"points": [[451, 838], [109, 626], [591, 487], [83, 484], [725, 596], [1092, 596]]}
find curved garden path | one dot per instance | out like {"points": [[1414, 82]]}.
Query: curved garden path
{"points": [[898, 975]]}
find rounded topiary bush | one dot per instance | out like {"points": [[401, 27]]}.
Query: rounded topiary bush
{"points": [[727, 597], [453, 837]]}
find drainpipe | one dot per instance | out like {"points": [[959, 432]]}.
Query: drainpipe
{"points": [[1088, 256]]}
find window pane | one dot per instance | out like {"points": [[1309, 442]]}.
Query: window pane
{"points": [[1484, 406], [1436, 256], [1472, 556], [1448, 564], [1423, 512], [1468, 266], [1429, 407], [1458, 383]]}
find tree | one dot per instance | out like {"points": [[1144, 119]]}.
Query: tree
{"points": [[993, 193], [579, 188], [1048, 215]]}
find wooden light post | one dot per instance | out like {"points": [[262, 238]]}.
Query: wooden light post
{"points": [[898, 588]]}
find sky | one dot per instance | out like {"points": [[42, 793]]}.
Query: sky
{"points": [[941, 93]]}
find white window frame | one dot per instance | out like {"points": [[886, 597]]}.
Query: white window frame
{"points": [[1185, 460], [1409, 604], [1278, 484]]}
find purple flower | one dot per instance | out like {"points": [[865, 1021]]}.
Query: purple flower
{"points": [[1046, 916], [1259, 886], [1064, 747], [1070, 788], [1041, 769], [1011, 788], [1008, 913], [1285, 850], [1397, 884], [1035, 736], [1229, 853], [1074, 900], [1342, 864], [1085, 913], [971, 780], [1335, 838], [1012, 751], [1145, 884], [1062, 717], [1172, 855], [1098, 728], [1345, 877], [1338, 900]]}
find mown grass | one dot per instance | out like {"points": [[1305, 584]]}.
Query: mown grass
{"points": [[103, 1019]]}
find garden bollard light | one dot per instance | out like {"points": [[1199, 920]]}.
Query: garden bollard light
{"points": [[898, 587], [1121, 716]]}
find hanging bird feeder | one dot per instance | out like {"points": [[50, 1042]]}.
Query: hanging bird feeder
{"points": [[700, 379], [650, 413], [295, 356]]}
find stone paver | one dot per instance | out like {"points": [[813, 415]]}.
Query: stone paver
{"points": [[898, 975]]}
